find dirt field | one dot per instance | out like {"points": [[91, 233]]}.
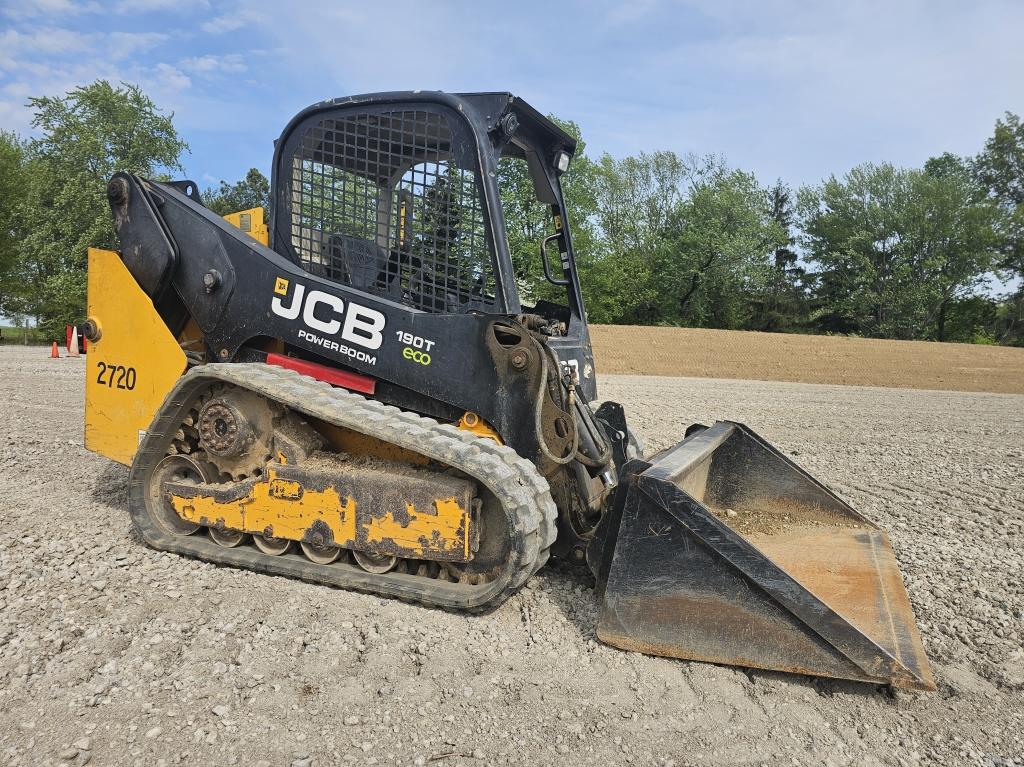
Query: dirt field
{"points": [[113, 654], [807, 359]]}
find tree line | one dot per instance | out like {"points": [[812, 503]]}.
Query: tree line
{"points": [[931, 253], [935, 253]]}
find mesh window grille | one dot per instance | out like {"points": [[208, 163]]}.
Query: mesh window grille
{"points": [[378, 202]]}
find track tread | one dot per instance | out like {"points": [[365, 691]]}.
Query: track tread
{"points": [[515, 481]]}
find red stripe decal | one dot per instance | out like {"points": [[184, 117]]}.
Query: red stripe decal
{"points": [[333, 376]]}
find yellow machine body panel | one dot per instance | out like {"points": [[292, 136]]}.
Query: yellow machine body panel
{"points": [[131, 366], [445, 527], [354, 443], [282, 507], [470, 421], [252, 222]]}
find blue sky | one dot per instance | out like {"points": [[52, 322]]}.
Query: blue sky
{"points": [[786, 89]]}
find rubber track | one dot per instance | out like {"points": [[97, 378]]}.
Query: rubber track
{"points": [[523, 493]]}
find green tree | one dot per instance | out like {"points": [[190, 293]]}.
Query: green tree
{"points": [[974, 319], [637, 195], [952, 239], [783, 306], [450, 261], [852, 230], [714, 252], [253, 191], [528, 221], [85, 137], [634, 200], [999, 168], [659, 238], [897, 248], [12, 189]]}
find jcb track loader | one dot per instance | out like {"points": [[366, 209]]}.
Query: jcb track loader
{"points": [[356, 395]]}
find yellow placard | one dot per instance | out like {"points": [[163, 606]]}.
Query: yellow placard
{"points": [[252, 223]]}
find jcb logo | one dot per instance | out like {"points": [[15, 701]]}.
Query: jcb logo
{"points": [[416, 355], [326, 314]]}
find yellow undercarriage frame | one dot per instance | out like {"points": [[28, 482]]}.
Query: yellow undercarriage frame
{"points": [[398, 515]]}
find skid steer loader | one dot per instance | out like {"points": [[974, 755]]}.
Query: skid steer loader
{"points": [[355, 394]]}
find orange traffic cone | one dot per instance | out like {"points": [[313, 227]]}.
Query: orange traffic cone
{"points": [[73, 349], [54, 354]]}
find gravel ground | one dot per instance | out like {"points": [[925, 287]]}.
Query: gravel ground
{"points": [[113, 654]]}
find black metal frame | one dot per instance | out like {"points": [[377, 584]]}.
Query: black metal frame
{"points": [[388, 198], [486, 119], [482, 359]]}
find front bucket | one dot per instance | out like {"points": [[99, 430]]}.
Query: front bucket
{"points": [[723, 550]]}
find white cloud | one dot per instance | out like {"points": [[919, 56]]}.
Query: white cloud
{"points": [[804, 91], [37, 47], [50, 59], [170, 77], [781, 87], [630, 12], [19, 89], [14, 116], [121, 45], [230, 63], [149, 6], [25, 9], [360, 47], [17, 47], [227, 22]]}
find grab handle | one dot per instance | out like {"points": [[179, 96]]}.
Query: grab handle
{"points": [[544, 259]]}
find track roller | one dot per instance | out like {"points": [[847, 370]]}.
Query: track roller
{"points": [[268, 544], [321, 555], [226, 538], [374, 563]]}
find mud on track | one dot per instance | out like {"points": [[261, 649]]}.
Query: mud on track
{"points": [[120, 655], [807, 359]]}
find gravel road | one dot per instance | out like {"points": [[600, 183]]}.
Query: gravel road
{"points": [[113, 654]]}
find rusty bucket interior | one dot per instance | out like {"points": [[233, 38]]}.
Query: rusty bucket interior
{"points": [[721, 549]]}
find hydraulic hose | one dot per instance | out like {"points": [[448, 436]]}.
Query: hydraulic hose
{"points": [[606, 452], [538, 422], [575, 454]]}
